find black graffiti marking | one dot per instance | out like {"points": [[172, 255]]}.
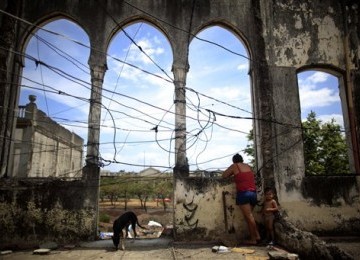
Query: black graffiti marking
{"points": [[189, 217], [189, 209], [192, 211], [231, 209], [193, 225]]}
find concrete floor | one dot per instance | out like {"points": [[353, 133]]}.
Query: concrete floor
{"points": [[158, 248], [164, 248]]}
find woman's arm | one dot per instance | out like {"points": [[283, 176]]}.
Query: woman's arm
{"points": [[228, 172]]}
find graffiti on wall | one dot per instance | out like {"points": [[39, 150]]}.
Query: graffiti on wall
{"points": [[228, 213], [189, 215]]}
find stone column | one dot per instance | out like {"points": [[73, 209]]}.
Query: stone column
{"points": [[181, 168], [9, 71], [92, 156]]}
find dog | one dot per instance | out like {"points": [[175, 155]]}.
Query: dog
{"points": [[124, 221]]}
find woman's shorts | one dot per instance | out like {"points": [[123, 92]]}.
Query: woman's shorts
{"points": [[246, 197]]}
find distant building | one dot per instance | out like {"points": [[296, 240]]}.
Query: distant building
{"points": [[43, 148], [108, 173], [150, 172], [206, 174], [104, 173]]}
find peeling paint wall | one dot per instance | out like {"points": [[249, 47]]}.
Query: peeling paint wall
{"points": [[205, 209], [331, 205], [282, 38], [309, 34], [304, 32]]}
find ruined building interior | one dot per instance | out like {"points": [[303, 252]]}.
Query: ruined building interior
{"points": [[282, 39]]}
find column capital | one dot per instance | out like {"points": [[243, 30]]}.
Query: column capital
{"points": [[180, 66], [97, 61]]}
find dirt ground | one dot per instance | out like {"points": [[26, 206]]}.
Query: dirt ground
{"points": [[155, 213], [145, 253]]}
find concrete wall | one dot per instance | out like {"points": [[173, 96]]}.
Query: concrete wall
{"points": [[282, 38], [32, 212], [205, 210], [43, 148]]}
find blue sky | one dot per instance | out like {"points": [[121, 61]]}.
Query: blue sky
{"points": [[143, 101]]}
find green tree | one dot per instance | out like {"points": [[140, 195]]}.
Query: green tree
{"points": [[249, 150], [325, 148], [125, 188], [142, 188], [164, 189], [333, 152], [312, 138], [110, 190]]}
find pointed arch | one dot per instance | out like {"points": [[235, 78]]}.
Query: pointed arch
{"points": [[221, 97], [322, 91], [55, 71], [120, 27], [138, 94]]}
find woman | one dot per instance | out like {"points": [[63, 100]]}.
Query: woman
{"points": [[245, 193]]}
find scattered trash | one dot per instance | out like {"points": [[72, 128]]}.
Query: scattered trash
{"points": [[220, 249], [270, 246], [130, 232], [153, 223], [242, 250], [282, 255], [155, 230], [106, 235], [6, 252], [42, 251]]}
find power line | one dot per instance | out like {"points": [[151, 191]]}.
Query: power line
{"points": [[215, 113], [77, 42], [188, 32]]}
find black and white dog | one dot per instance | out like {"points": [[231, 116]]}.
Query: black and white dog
{"points": [[124, 221]]}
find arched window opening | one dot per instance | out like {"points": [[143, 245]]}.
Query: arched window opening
{"points": [[137, 125], [219, 109], [326, 136], [53, 103], [138, 107]]}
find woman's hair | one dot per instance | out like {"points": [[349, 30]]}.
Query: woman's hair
{"points": [[237, 158]]}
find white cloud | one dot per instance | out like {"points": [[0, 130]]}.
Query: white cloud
{"points": [[318, 77], [311, 97], [337, 117], [137, 55], [244, 66], [229, 94]]}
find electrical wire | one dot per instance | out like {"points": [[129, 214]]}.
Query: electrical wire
{"points": [[216, 113]]}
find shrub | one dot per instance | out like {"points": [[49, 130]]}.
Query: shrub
{"points": [[103, 217]]}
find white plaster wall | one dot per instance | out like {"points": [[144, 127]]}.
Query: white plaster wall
{"points": [[42, 157], [320, 218], [298, 29], [208, 212], [50, 160]]}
